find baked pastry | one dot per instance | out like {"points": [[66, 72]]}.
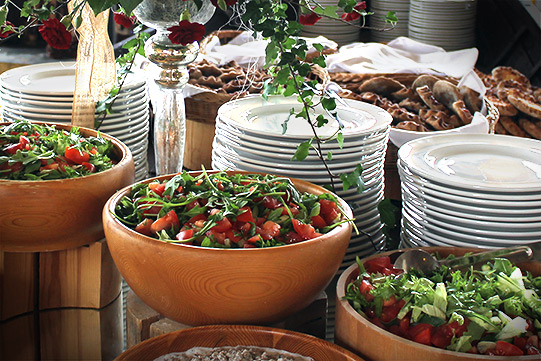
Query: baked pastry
{"points": [[446, 93], [460, 109], [473, 99], [412, 126], [512, 127], [530, 127], [525, 103], [382, 85], [501, 73], [428, 98], [422, 80]]}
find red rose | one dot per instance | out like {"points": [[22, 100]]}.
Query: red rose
{"points": [[227, 2], [186, 32], [309, 19], [354, 15], [55, 34], [124, 20], [5, 33]]}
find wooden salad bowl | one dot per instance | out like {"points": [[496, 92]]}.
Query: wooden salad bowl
{"points": [[355, 333], [233, 335], [52, 215], [200, 286]]}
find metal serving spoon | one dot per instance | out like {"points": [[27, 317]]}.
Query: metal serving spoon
{"points": [[425, 262]]}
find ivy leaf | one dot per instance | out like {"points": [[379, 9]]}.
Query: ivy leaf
{"points": [[129, 5], [302, 150], [329, 155], [353, 179], [3, 14], [387, 211], [284, 124], [100, 5], [271, 53], [340, 140], [321, 120], [328, 103], [391, 18]]}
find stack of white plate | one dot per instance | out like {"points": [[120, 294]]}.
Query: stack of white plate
{"points": [[470, 190], [44, 92], [341, 32], [380, 9], [449, 24], [249, 137]]}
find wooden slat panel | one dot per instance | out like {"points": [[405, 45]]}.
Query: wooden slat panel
{"points": [[80, 277], [17, 283]]}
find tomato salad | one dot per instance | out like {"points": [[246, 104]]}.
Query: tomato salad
{"points": [[30, 151], [492, 311], [228, 211]]}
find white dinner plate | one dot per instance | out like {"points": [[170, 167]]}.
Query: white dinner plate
{"points": [[476, 161], [265, 117]]}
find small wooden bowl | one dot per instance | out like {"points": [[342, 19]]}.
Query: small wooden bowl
{"points": [[52, 215], [232, 335], [359, 335], [200, 286]]}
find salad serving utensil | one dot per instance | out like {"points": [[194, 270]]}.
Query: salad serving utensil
{"points": [[426, 263]]}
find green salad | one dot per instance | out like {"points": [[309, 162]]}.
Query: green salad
{"points": [[30, 151], [228, 211], [493, 311]]}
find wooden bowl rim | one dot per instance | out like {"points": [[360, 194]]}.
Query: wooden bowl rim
{"points": [[302, 337], [117, 144], [350, 272], [113, 201]]}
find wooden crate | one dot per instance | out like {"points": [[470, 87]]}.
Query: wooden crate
{"points": [[83, 277], [142, 322]]}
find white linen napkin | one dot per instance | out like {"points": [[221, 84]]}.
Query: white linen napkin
{"points": [[402, 55]]}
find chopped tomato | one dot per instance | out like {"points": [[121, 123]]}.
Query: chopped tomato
{"points": [[12, 149], [306, 231], [199, 217], [222, 226], [318, 221], [270, 202], [421, 333], [170, 220], [144, 227], [405, 324], [505, 349], [89, 166], [149, 208], [364, 289], [157, 188], [292, 237], [329, 211], [520, 342], [381, 265], [216, 236], [389, 313], [245, 215], [183, 235], [192, 204], [254, 239], [230, 234], [76, 155], [11, 168], [269, 230]]}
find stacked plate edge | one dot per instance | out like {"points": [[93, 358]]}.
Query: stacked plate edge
{"points": [[470, 190], [448, 24], [44, 92]]}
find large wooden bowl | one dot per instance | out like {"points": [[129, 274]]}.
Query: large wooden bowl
{"points": [[359, 335], [218, 336], [52, 215], [200, 286]]}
